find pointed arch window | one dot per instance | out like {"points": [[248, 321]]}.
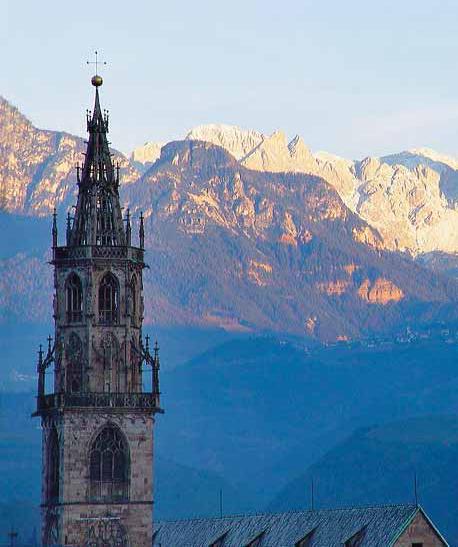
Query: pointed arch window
{"points": [[106, 233], [109, 466], [108, 299], [74, 293], [53, 465]]}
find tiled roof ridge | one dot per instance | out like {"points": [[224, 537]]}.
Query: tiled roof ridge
{"points": [[293, 512]]}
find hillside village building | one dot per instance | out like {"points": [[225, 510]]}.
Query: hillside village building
{"points": [[97, 421]]}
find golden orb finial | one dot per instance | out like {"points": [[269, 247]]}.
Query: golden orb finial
{"points": [[97, 80]]}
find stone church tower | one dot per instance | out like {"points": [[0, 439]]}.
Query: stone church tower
{"points": [[97, 418]]}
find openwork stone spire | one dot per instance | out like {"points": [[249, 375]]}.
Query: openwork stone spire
{"points": [[98, 219]]}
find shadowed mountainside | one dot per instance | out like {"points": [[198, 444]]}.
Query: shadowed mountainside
{"points": [[250, 416]]}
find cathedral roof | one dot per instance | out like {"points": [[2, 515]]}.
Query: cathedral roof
{"points": [[365, 527], [98, 219]]}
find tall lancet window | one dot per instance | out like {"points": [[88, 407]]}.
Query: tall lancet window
{"points": [[109, 466], [74, 291], [108, 299]]}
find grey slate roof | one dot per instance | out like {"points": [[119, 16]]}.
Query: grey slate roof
{"points": [[332, 528]]}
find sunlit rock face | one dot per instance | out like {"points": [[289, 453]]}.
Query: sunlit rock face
{"points": [[268, 251], [238, 142], [380, 291], [144, 156], [409, 198]]}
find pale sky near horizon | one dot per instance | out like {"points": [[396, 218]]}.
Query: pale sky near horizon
{"points": [[353, 78]]}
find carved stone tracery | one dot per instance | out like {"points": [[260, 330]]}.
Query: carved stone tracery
{"points": [[107, 533]]}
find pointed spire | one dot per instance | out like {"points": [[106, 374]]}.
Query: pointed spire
{"points": [[54, 228], [69, 228], [155, 371], [128, 229], [142, 232], [98, 218], [41, 373], [40, 355], [156, 351]]}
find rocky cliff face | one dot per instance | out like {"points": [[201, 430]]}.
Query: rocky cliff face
{"points": [[269, 251], [238, 142], [144, 156], [410, 198], [239, 248]]}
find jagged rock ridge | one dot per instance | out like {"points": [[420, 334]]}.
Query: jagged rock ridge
{"points": [[410, 198], [270, 251]]}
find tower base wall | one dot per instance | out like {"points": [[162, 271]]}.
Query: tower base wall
{"points": [[80, 518]]}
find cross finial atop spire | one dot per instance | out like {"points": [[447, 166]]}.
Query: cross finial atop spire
{"points": [[97, 80]]}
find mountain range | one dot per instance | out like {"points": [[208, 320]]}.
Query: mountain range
{"points": [[248, 234], [410, 198], [245, 232]]}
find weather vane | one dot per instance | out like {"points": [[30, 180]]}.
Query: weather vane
{"points": [[96, 79]]}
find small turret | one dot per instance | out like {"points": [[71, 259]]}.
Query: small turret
{"points": [[41, 373], [69, 228], [156, 367], [128, 229], [142, 232], [54, 229]]}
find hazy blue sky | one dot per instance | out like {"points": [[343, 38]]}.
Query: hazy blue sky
{"points": [[354, 78]]}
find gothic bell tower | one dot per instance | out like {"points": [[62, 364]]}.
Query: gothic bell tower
{"points": [[97, 416]]}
